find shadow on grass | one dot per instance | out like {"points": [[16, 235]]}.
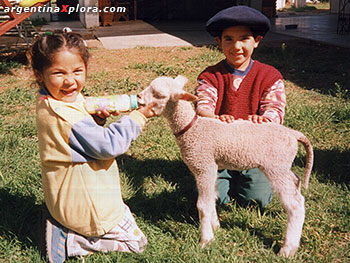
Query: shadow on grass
{"points": [[165, 204], [268, 242], [20, 216], [179, 205], [309, 64], [330, 165], [9, 63], [20, 219], [234, 220]]}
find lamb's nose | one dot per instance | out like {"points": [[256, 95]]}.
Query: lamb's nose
{"points": [[140, 100]]}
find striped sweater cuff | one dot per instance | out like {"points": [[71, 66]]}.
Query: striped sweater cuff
{"points": [[138, 117]]}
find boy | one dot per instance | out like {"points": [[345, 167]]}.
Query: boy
{"points": [[239, 87]]}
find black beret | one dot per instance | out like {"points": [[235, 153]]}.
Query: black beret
{"points": [[241, 15]]}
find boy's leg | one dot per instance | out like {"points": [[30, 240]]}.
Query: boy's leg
{"points": [[223, 187], [250, 185]]}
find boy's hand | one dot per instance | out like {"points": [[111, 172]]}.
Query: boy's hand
{"points": [[147, 110], [253, 118], [225, 118], [206, 113], [258, 119]]}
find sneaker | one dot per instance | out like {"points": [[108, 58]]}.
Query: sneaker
{"points": [[56, 238]]}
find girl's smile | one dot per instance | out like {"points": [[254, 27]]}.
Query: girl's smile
{"points": [[65, 78]]}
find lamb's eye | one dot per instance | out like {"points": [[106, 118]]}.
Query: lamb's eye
{"points": [[157, 95]]}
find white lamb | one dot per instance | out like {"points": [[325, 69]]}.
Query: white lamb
{"points": [[207, 145]]}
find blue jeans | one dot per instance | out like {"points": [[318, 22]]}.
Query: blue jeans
{"points": [[244, 187]]}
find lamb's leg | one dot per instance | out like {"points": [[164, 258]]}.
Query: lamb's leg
{"points": [[206, 204], [286, 188], [215, 224]]}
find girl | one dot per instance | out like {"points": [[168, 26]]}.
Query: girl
{"points": [[79, 173]]}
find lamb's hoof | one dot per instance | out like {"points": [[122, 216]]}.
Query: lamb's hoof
{"points": [[215, 225], [287, 251], [206, 243]]}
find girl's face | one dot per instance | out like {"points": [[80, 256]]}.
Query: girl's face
{"points": [[238, 43], [65, 78]]}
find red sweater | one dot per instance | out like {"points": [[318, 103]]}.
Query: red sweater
{"points": [[246, 100]]}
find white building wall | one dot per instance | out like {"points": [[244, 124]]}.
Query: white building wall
{"points": [[280, 4], [299, 3], [89, 19]]}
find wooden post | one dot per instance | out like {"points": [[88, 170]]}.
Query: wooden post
{"points": [[14, 19], [135, 9]]}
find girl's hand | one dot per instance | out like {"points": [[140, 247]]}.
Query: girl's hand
{"points": [[147, 110], [225, 118], [258, 119], [101, 116]]}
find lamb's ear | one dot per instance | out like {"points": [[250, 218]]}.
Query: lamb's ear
{"points": [[188, 96], [180, 94], [183, 95], [181, 81]]}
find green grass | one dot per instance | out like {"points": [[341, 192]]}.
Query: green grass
{"points": [[310, 7], [7, 65], [157, 185]]}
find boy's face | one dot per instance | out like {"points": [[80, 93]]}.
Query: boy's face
{"points": [[65, 78], [238, 43]]}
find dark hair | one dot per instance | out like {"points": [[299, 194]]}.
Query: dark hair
{"points": [[41, 53], [255, 33]]}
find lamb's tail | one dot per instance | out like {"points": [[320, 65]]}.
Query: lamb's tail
{"points": [[309, 158]]}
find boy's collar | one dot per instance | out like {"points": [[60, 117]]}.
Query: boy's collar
{"points": [[239, 72]]}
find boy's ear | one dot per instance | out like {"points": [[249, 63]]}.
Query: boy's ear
{"points": [[257, 40], [218, 40]]}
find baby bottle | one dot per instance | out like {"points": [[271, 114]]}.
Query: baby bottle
{"points": [[111, 103]]}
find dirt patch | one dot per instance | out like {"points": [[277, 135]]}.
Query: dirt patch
{"points": [[306, 63], [111, 64]]}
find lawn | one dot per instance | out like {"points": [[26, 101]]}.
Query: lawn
{"points": [[156, 184], [309, 8]]}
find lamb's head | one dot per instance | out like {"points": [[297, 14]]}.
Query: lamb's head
{"points": [[164, 89]]}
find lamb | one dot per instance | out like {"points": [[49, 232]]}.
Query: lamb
{"points": [[207, 145]]}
